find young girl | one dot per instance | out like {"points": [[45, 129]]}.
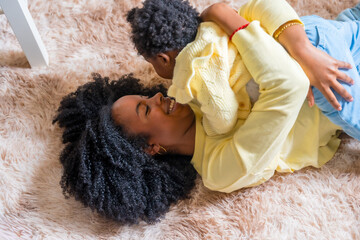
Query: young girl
{"points": [[209, 72]]}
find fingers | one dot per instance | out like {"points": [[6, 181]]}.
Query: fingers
{"points": [[344, 77], [342, 64], [310, 98], [329, 95], [342, 92]]}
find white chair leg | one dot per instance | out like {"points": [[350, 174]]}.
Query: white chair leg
{"points": [[18, 15]]}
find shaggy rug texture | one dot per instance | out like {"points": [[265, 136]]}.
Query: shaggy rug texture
{"points": [[85, 36]]}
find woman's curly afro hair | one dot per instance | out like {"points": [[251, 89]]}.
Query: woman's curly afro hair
{"points": [[163, 25], [108, 171]]}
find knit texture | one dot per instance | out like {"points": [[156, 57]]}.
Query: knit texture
{"points": [[209, 71]]}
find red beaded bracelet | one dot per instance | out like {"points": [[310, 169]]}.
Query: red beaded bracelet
{"points": [[242, 27]]}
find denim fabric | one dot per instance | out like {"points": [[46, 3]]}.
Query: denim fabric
{"points": [[341, 40], [349, 14]]}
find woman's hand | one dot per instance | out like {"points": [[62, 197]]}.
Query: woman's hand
{"points": [[323, 73], [321, 69]]}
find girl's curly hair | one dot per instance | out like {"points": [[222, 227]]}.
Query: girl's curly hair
{"points": [[163, 25], [107, 170]]}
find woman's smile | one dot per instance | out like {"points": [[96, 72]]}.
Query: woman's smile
{"points": [[161, 119]]}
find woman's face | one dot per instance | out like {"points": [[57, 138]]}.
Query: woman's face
{"points": [[160, 118]]}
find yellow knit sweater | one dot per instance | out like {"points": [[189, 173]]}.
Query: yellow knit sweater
{"points": [[210, 73], [281, 133]]}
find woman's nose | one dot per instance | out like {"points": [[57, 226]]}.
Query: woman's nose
{"points": [[157, 98]]}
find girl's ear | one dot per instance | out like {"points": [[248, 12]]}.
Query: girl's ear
{"points": [[164, 58], [152, 149]]}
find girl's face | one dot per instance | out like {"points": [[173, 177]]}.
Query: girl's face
{"points": [[163, 63], [161, 119]]}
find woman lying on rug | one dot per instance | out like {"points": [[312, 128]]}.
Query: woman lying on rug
{"points": [[128, 156]]}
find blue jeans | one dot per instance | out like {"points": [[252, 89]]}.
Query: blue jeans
{"points": [[340, 38]]}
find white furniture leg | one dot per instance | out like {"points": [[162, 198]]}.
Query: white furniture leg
{"points": [[18, 15]]}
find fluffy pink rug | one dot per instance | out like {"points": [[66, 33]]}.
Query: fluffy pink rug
{"points": [[84, 36]]}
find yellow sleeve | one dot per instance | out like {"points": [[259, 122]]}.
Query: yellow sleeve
{"points": [[271, 13], [244, 160]]}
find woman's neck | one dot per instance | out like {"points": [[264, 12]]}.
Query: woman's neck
{"points": [[187, 145]]}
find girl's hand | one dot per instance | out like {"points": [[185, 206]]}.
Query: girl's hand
{"points": [[321, 69]]}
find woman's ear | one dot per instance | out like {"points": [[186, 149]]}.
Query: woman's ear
{"points": [[152, 149]]}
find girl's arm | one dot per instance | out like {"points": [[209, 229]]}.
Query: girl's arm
{"points": [[224, 16], [322, 75]]}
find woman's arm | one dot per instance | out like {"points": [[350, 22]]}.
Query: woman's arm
{"points": [[321, 69], [242, 161]]}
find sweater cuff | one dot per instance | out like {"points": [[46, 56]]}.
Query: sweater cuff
{"points": [[249, 35]]}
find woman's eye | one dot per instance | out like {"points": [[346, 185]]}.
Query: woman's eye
{"points": [[147, 110]]}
